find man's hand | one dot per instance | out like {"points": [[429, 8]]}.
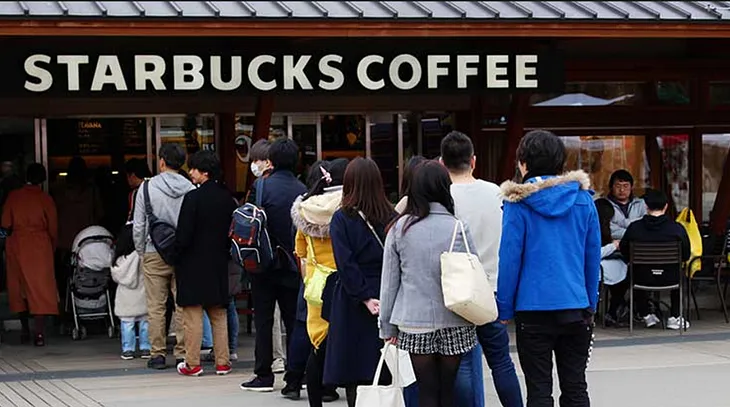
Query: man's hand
{"points": [[617, 244], [373, 306]]}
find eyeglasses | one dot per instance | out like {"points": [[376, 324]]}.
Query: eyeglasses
{"points": [[622, 186]]}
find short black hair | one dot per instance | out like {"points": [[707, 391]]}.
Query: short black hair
{"points": [[543, 153], [36, 174], [655, 199], [206, 161], [284, 154], [620, 175], [137, 167], [260, 150], [457, 150], [173, 154]]}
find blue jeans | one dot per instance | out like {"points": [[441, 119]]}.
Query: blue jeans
{"points": [[494, 339], [129, 338], [469, 385], [232, 328]]}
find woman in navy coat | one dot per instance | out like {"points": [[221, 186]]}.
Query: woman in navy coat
{"points": [[353, 345]]}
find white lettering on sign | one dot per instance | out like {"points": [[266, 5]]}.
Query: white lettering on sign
{"points": [[142, 75], [108, 72], [216, 75], [73, 62], [45, 79], [279, 72], [186, 69], [253, 72]]}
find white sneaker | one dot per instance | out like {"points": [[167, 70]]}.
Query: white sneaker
{"points": [[651, 320], [234, 357], [278, 366], [677, 323]]}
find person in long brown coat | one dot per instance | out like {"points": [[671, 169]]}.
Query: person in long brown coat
{"points": [[30, 215]]}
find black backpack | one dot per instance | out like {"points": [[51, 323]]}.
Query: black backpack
{"points": [[161, 233]]}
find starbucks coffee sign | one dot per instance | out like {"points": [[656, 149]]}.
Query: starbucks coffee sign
{"points": [[60, 71]]}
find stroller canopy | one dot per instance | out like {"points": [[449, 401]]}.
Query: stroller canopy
{"points": [[93, 248]]}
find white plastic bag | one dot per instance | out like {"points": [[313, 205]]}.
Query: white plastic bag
{"points": [[381, 396], [467, 291], [399, 361]]}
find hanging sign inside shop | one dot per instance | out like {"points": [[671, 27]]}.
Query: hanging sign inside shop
{"points": [[291, 72]]}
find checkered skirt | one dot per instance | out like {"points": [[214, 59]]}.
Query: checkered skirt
{"points": [[446, 341]]}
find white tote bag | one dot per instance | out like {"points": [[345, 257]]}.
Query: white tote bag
{"points": [[381, 396], [467, 291], [399, 361]]}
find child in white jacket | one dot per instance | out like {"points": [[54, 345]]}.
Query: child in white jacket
{"points": [[130, 304]]}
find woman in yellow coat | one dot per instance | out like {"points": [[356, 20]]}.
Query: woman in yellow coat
{"points": [[311, 214], [30, 215]]}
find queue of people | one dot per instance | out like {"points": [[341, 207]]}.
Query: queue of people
{"points": [[351, 272]]}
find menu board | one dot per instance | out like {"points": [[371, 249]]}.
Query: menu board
{"points": [[92, 137]]}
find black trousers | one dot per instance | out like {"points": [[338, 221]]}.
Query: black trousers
{"points": [[641, 301], [315, 373], [298, 354], [266, 293], [571, 344]]}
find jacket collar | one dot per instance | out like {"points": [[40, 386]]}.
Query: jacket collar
{"points": [[437, 208], [514, 192]]}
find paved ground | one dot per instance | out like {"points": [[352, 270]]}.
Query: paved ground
{"points": [[650, 368]]}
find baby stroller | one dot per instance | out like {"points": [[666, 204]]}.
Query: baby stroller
{"points": [[87, 294]]}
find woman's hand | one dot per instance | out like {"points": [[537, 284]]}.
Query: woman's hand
{"points": [[392, 341], [373, 306], [617, 244]]}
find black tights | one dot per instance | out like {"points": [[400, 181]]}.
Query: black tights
{"points": [[315, 373], [436, 375], [39, 323], [618, 294]]}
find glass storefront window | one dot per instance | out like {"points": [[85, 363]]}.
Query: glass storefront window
{"points": [[592, 94], [600, 156], [675, 150], [194, 132], [434, 126], [244, 140], [720, 93], [673, 93], [304, 133], [17, 144], [343, 136], [714, 152], [384, 150]]}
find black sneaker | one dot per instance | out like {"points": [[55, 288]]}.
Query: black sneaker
{"points": [[330, 395], [292, 391], [128, 355], [157, 362], [145, 354], [259, 384]]}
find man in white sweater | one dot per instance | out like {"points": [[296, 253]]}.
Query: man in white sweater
{"points": [[478, 204]]}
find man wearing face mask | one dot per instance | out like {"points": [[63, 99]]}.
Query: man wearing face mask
{"points": [[260, 165]]}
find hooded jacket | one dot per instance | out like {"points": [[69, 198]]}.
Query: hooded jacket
{"points": [[312, 219], [130, 301], [167, 191], [550, 252]]}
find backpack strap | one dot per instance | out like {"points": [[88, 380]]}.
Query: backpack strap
{"points": [[147, 205], [260, 192]]}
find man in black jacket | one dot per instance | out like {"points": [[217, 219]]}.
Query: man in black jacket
{"points": [[657, 227], [280, 285]]}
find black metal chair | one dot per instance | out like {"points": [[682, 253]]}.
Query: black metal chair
{"points": [[655, 253], [713, 270]]}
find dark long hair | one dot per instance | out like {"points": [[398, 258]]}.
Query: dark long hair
{"points": [[605, 214], [316, 180], [362, 190], [430, 184], [413, 163]]}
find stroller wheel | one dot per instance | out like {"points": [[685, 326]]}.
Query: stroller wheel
{"points": [[83, 332], [110, 332], [75, 334]]}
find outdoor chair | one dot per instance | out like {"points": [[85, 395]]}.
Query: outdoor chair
{"points": [[655, 253], [713, 270]]}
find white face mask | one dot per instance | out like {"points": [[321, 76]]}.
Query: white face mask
{"points": [[257, 170]]}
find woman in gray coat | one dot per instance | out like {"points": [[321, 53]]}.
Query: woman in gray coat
{"points": [[412, 310]]}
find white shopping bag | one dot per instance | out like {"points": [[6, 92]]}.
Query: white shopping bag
{"points": [[399, 361], [381, 396]]}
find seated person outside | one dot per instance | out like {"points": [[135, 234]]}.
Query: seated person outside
{"points": [[627, 207], [613, 266], [656, 226]]}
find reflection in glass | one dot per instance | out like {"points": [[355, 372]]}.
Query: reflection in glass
{"points": [[193, 132], [592, 94], [600, 156], [675, 150], [17, 144], [714, 153], [343, 136], [304, 133], [384, 150], [434, 127], [244, 140]]}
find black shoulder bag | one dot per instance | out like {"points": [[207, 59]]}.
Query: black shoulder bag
{"points": [[161, 233]]}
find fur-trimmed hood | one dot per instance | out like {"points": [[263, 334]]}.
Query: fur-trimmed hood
{"points": [[550, 196], [313, 216]]}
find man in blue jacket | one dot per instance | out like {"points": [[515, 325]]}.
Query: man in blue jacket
{"points": [[548, 279]]}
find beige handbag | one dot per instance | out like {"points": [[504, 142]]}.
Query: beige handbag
{"points": [[467, 291]]}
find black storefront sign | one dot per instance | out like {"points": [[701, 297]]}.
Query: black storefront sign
{"points": [[133, 67]]}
